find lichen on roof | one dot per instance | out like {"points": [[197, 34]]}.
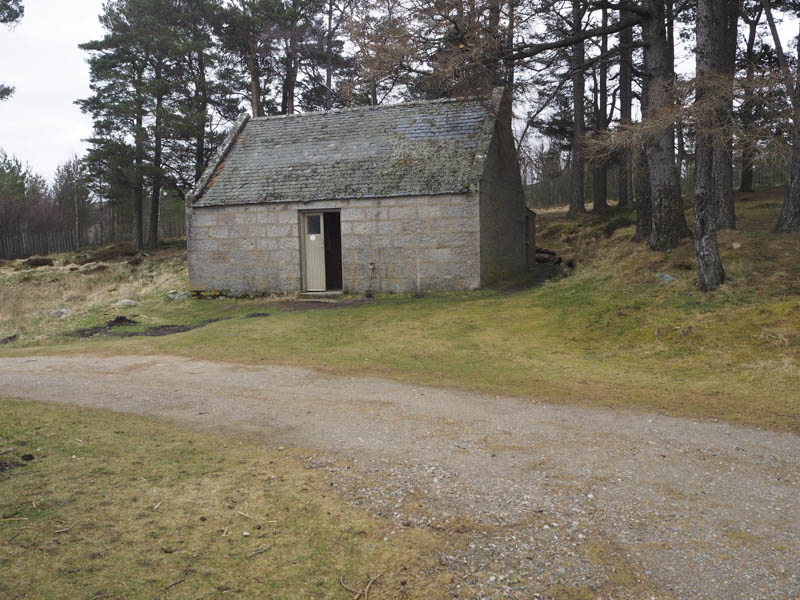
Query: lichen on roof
{"points": [[417, 148]]}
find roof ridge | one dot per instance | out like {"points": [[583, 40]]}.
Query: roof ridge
{"points": [[333, 111]]}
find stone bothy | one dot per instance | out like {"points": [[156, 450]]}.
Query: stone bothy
{"points": [[403, 198]]}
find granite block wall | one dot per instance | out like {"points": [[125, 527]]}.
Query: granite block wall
{"points": [[414, 243]]}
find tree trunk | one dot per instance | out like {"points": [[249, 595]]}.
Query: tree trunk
{"points": [[723, 182], [77, 216], [624, 166], [723, 155], [255, 79], [711, 33], [509, 62], [748, 170], [789, 220], [329, 58], [577, 201], [290, 74], [155, 197], [138, 184], [644, 202], [678, 135], [202, 111], [600, 189], [493, 31], [748, 105], [600, 172], [669, 220]]}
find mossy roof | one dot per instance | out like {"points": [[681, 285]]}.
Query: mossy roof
{"points": [[419, 148]]}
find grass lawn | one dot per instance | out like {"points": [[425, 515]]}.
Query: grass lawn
{"points": [[608, 334], [118, 506]]}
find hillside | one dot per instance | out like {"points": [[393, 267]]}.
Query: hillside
{"points": [[609, 333]]}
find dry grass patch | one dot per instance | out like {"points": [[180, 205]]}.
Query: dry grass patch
{"points": [[118, 506], [29, 296]]}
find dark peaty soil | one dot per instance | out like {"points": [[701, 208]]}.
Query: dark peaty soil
{"points": [[155, 331]]}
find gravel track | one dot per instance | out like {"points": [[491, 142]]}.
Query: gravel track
{"points": [[537, 500]]}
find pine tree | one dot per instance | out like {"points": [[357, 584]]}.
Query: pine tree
{"points": [[150, 78], [117, 65], [248, 31], [13, 180], [202, 100]]}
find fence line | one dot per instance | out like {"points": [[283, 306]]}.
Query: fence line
{"points": [[27, 244]]}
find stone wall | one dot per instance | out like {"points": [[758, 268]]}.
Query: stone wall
{"points": [[415, 244]]}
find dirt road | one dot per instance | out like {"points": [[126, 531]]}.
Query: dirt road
{"points": [[540, 500]]}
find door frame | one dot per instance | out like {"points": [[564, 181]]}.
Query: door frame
{"points": [[301, 215]]}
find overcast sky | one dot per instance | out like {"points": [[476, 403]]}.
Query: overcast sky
{"points": [[40, 125]]}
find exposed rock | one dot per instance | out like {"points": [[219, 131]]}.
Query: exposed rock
{"points": [[60, 313], [177, 296], [8, 340], [124, 303], [736, 245], [665, 278]]}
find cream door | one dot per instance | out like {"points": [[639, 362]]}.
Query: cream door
{"points": [[314, 252]]}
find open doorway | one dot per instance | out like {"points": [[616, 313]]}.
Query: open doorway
{"points": [[333, 251], [322, 251]]}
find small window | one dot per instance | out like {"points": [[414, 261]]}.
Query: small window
{"points": [[314, 224]]}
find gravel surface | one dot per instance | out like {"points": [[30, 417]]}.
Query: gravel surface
{"points": [[536, 500]]}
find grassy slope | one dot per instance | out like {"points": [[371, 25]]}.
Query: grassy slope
{"points": [[121, 506], [609, 335]]}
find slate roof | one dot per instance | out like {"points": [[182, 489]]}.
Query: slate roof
{"points": [[419, 148]]}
